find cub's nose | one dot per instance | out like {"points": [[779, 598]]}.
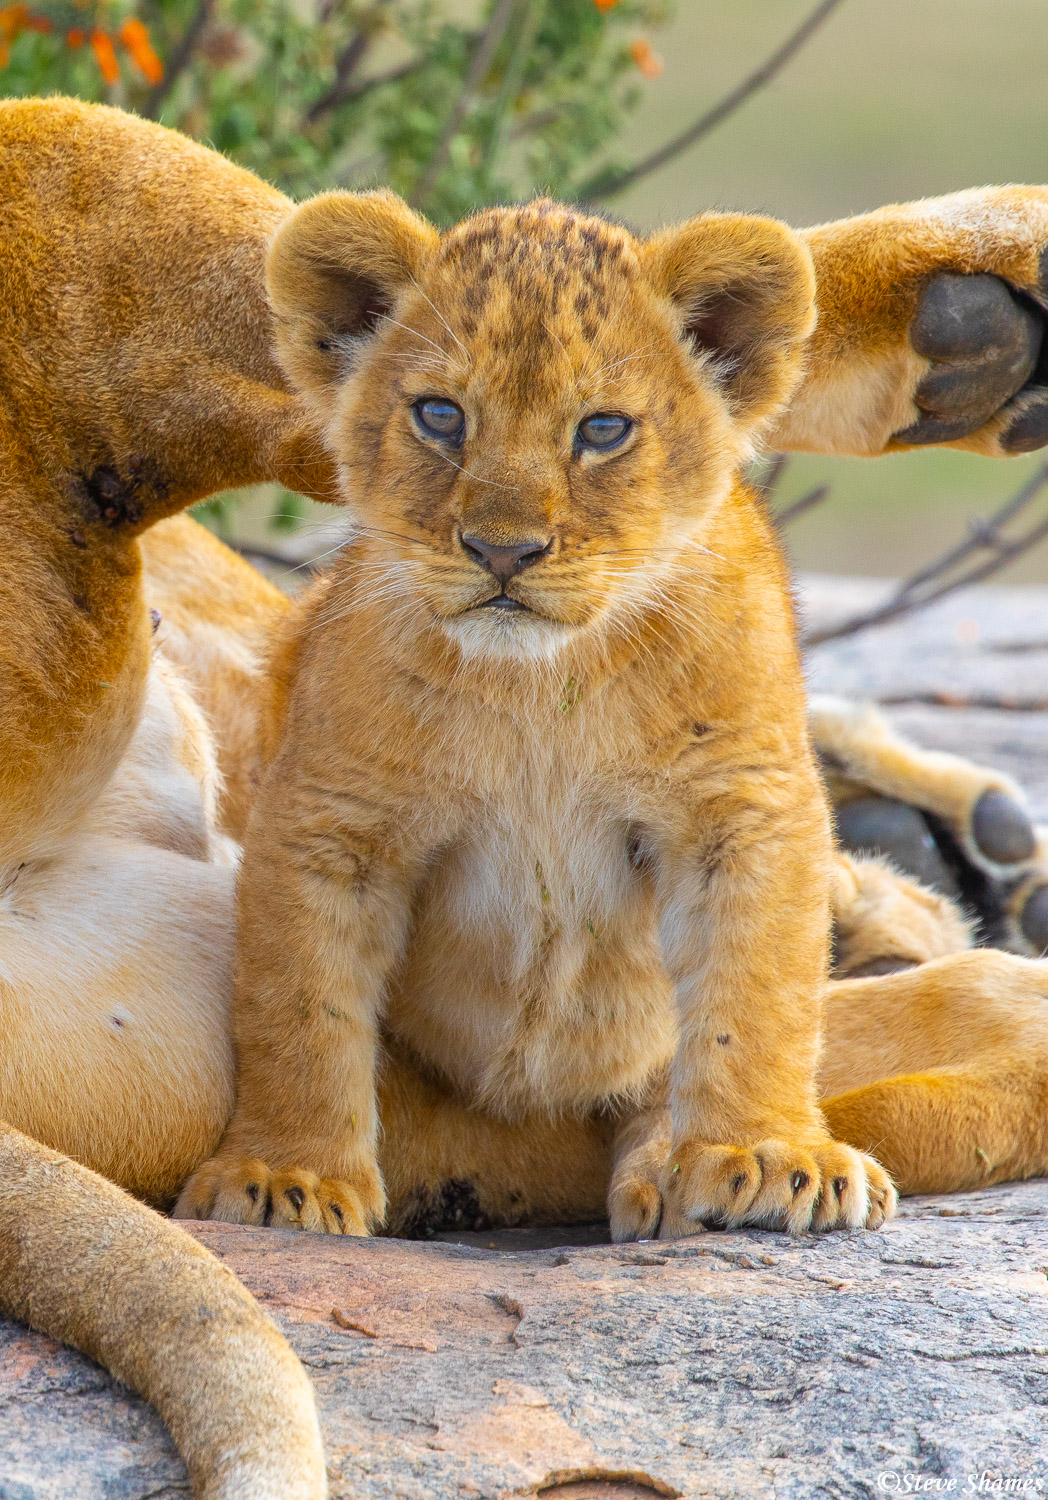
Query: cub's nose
{"points": [[503, 562]]}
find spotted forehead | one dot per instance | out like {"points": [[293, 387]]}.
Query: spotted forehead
{"points": [[512, 273]]}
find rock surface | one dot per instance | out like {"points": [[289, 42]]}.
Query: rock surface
{"points": [[728, 1365]]}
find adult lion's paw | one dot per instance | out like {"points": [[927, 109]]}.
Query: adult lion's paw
{"points": [[982, 343], [244, 1191], [773, 1185]]}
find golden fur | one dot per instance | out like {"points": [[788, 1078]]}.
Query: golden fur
{"points": [[560, 855], [136, 375]]}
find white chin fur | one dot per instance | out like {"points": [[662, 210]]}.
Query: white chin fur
{"points": [[507, 637]]}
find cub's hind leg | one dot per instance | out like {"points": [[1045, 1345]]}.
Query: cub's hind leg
{"points": [[641, 1150], [959, 828], [942, 1071]]}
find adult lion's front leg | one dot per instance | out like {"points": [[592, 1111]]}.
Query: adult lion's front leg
{"points": [[931, 324]]}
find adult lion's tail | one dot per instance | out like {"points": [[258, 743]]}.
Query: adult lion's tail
{"points": [[86, 1263]]}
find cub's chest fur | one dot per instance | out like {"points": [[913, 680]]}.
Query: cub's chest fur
{"points": [[533, 976]]}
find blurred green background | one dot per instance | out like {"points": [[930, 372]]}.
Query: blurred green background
{"points": [[889, 101]]}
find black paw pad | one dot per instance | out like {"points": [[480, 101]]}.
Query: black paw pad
{"points": [[961, 317], [1002, 829], [1029, 431], [1034, 920], [936, 430], [883, 825]]}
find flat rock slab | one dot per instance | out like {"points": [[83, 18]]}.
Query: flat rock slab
{"points": [[726, 1365], [983, 647]]}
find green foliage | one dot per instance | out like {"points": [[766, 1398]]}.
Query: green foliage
{"points": [[347, 93], [454, 104]]}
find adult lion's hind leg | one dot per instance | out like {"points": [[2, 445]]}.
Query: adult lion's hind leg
{"points": [[958, 827], [984, 810], [941, 1072]]}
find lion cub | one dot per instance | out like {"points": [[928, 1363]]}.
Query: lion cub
{"points": [[541, 810]]}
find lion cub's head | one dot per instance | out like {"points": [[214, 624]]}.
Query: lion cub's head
{"points": [[535, 412]]}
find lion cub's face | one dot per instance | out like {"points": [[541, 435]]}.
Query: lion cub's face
{"points": [[535, 412]]}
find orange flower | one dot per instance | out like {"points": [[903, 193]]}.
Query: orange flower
{"points": [[647, 59], [135, 38], [105, 56], [13, 19], [75, 38], [605, 4]]}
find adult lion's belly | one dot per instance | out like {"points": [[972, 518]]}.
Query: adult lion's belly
{"points": [[533, 977]]}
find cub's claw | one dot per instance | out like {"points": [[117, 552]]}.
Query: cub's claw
{"points": [[773, 1185], [246, 1192]]}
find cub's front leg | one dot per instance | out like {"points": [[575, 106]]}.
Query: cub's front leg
{"points": [[743, 855], [324, 899]]}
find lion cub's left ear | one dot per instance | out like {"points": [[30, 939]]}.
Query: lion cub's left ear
{"points": [[743, 290], [335, 269]]}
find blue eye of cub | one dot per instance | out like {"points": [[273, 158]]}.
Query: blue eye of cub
{"points": [[605, 429], [440, 418]]}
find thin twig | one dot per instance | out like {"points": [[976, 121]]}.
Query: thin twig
{"points": [[176, 63], [981, 534], [609, 183], [483, 56], [929, 584], [347, 63], [800, 507], [769, 480], [379, 80], [269, 555]]}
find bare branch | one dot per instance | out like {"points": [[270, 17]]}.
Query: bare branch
{"points": [[379, 80], [176, 64], [483, 56], [931, 583], [348, 62], [800, 507], [608, 184], [769, 480], [273, 558]]}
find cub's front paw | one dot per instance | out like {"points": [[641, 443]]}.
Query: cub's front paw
{"points": [[773, 1185], [242, 1190]]}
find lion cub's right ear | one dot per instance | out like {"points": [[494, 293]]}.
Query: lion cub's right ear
{"points": [[334, 270]]}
